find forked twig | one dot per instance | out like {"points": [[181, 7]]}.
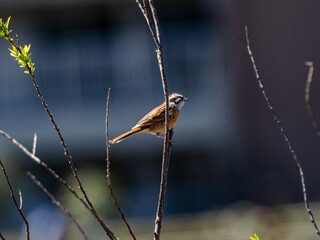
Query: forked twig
{"points": [[284, 134], [47, 168], [57, 204], [44, 165], [15, 201], [145, 12], [310, 111], [108, 170]]}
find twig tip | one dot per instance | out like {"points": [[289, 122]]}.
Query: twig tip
{"points": [[247, 34], [20, 197], [308, 63], [35, 137]]}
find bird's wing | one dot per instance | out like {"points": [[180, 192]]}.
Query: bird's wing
{"points": [[154, 116]]}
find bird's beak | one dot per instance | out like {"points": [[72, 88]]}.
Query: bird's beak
{"points": [[185, 99]]}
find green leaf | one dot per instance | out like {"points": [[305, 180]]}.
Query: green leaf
{"points": [[255, 237], [4, 28], [21, 54], [14, 52], [7, 23]]}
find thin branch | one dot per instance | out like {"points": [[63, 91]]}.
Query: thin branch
{"points": [[284, 134], [57, 204], [2, 237], [17, 39], [310, 111], [34, 146], [108, 170], [107, 230], [15, 201]]}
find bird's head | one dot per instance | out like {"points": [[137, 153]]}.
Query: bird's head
{"points": [[177, 100]]}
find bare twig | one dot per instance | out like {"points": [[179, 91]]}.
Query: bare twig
{"points": [[17, 38], [15, 201], [107, 230], [57, 204], [2, 237], [154, 27], [20, 198], [310, 111], [155, 22], [108, 170], [145, 12], [284, 134], [34, 146], [24, 149]]}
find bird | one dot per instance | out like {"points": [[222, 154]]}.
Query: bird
{"points": [[154, 121]]}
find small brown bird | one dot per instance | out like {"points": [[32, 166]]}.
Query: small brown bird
{"points": [[154, 121]]}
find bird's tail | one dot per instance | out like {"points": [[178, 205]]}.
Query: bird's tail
{"points": [[123, 136]]}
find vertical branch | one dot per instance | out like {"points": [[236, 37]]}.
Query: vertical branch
{"points": [[166, 148], [15, 201], [310, 111], [163, 190], [154, 27], [284, 134], [57, 204], [108, 170]]}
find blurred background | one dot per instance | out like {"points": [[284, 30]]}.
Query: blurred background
{"points": [[231, 173]]}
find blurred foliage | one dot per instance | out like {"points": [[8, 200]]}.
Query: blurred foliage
{"points": [[94, 181], [235, 222]]}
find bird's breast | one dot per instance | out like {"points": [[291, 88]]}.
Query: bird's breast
{"points": [[159, 128]]}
